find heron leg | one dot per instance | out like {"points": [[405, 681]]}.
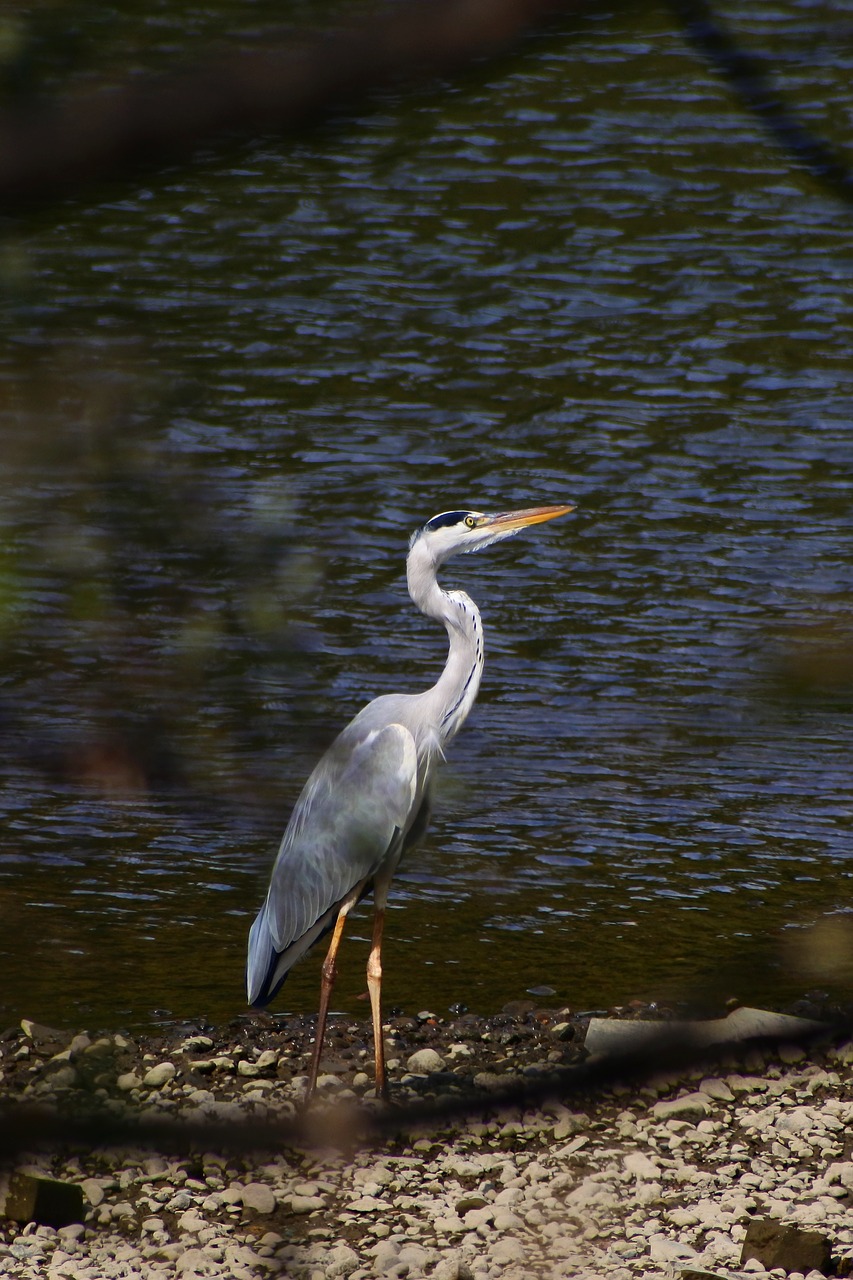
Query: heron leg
{"points": [[327, 982], [374, 986]]}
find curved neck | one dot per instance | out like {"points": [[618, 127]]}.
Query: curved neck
{"points": [[450, 699]]}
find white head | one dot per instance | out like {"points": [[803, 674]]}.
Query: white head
{"points": [[457, 532]]}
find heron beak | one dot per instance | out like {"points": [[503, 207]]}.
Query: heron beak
{"points": [[508, 521]]}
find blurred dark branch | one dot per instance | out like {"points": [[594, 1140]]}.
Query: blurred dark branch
{"points": [[750, 78], [93, 136], [97, 134], [24, 1128]]}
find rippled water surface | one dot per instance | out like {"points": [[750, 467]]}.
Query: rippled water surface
{"points": [[233, 389]]}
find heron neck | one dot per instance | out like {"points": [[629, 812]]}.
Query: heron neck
{"points": [[450, 699]]}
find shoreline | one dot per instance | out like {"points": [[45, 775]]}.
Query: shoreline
{"points": [[658, 1178]]}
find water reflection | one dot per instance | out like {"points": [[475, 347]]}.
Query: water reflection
{"points": [[235, 389]]}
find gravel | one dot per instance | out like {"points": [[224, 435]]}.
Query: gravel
{"points": [[660, 1179]]}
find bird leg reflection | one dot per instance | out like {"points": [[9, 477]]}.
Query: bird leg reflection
{"points": [[374, 986]]}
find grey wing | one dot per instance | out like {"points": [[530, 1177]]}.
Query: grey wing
{"points": [[350, 817]]}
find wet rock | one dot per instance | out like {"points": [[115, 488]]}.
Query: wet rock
{"points": [[518, 1009], [45, 1039], [196, 1044], [776, 1244]]}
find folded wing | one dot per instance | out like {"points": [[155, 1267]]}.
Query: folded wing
{"points": [[349, 820]]}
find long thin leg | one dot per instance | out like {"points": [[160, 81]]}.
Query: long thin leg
{"points": [[327, 982], [374, 986]]}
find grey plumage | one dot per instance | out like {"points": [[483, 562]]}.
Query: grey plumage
{"points": [[365, 801]]}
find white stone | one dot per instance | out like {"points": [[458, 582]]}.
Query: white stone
{"points": [[507, 1250], [240, 1256], [191, 1221], [568, 1125], [416, 1258], [305, 1204], [194, 1044], [74, 1231], [368, 1204], [340, 1261], [195, 1262], [640, 1166], [258, 1197], [93, 1191], [158, 1075], [451, 1267], [662, 1249], [377, 1175], [717, 1089], [448, 1225], [505, 1220], [795, 1120], [385, 1256], [683, 1217], [685, 1106], [425, 1061], [840, 1171]]}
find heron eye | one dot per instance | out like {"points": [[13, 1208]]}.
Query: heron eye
{"points": [[470, 522]]}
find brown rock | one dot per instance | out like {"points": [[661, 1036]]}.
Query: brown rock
{"points": [[44, 1200], [774, 1244]]}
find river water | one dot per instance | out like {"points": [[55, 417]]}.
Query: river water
{"points": [[232, 388]]}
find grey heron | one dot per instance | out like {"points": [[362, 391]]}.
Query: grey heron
{"points": [[367, 801]]}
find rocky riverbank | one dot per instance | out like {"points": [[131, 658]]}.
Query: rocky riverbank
{"points": [[670, 1177]]}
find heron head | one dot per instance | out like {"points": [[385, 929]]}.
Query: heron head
{"points": [[455, 532]]}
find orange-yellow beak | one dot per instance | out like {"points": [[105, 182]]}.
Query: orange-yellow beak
{"points": [[508, 521]]}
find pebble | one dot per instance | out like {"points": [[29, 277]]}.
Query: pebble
{"points": [[645, 1182], [425, 1061], [259, 1198], [686, 1106], [157, 1076]]}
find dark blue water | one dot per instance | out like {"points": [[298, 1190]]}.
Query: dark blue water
{"points": [[231, 391]]}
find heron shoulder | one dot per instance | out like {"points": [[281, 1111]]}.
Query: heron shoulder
{"points": [[412, 711]]}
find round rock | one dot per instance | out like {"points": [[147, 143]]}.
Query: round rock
{"points": [[425, 1061], [258, 1197], [159, 1075]]}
